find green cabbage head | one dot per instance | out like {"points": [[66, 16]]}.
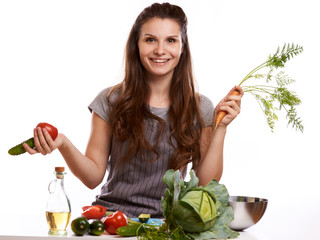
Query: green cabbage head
{"points": [[201, 211]]}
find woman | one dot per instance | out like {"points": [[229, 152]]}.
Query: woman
{"points": [[152, 121]]}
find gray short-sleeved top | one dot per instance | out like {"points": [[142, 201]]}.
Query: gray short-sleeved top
{"points": [[137, 186]]}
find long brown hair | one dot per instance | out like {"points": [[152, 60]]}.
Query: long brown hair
{"points": [[130, 109]]}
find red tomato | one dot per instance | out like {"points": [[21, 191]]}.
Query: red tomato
{"points": [[85, 207], [114, 221], [51, 129], [94, 212]]}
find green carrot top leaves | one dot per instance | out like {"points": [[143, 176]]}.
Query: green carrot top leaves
{"points": [[275, 98], [280, 58]]}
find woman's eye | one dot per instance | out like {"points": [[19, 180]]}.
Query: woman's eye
{"points": [[150, 40], [171, 40]]}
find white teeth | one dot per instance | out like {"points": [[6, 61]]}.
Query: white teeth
{"points": [[160, 60]]}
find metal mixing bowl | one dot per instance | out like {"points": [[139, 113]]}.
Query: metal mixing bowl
{"points": [[247, 211]]}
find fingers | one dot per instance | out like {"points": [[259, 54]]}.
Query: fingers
{"points": [[43, 141], [230, 96], [231, 100], [231, 104], [29, 149], [48, 138], [236, 88], [239, 89], [231, 107], [236, 98], [37, 139]]}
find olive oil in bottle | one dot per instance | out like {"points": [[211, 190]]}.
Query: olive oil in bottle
{"points": [[58, 211], [58, 221]]}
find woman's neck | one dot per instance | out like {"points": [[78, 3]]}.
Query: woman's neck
{"points": [[159, 91]]}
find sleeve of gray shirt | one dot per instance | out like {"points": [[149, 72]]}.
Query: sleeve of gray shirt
{"points": [[100, 105], [207, 109]]}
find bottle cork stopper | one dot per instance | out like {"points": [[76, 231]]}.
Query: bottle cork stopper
{"points": [[59, 169]]}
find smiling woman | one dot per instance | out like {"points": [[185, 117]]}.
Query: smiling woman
{"points": [[157, 118], [152, 121]]}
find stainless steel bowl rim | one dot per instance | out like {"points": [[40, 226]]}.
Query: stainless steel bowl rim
{"points": [[246, 199]]}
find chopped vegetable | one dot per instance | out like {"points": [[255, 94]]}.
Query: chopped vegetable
{"points": [[19, 149], [94, 212], [144, 218]]}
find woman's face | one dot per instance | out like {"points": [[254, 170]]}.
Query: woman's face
{"points": [[160, 46]]}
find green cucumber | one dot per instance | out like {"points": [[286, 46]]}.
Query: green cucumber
{"points": [[80, 226], [19, 149], [96, 228], [144, 218]]}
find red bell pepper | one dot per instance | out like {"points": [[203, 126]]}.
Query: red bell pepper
{"points": [[94, 212]]}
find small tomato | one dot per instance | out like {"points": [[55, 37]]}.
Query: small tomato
{"points": [[53, 131], [114, 221], [93, 212]]}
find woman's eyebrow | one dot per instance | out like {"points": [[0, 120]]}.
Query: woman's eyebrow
{"points": [[148, 34], [170, 36]]}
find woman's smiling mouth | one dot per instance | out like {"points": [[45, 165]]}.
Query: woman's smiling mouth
{"points": [[159, 60]]}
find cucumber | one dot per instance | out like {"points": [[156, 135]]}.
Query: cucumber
{"points": [[130, 230], [144, 218], [80, 226], [19, 149], [96, 228]]}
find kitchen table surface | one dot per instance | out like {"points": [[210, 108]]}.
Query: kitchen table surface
{"points": [[283, 222], [18, 227]]}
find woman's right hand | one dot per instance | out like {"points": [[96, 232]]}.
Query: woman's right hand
{"points": [[43, 142]]}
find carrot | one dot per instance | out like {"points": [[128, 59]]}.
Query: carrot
{"points": [[222, 114], [267, 95]]}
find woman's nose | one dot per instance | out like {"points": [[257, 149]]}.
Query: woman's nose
{"points": [[160, 49]]}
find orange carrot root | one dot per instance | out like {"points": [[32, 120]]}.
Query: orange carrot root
{"points": [[222, 114]]}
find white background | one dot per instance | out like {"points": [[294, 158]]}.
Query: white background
{"points": [[55, 56]]}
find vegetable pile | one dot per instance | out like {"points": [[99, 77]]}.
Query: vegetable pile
{"points": [[190, 211], [100, 221], [274, 95], [81, 225]]}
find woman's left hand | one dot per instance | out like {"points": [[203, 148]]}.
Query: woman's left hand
{"points": [[231, 104]]}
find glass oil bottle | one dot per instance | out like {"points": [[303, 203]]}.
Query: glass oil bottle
{"points": [[58, 210]]}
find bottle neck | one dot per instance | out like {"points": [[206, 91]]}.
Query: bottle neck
{"points": [[60, 175], [58, 201], [60, 179]]}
